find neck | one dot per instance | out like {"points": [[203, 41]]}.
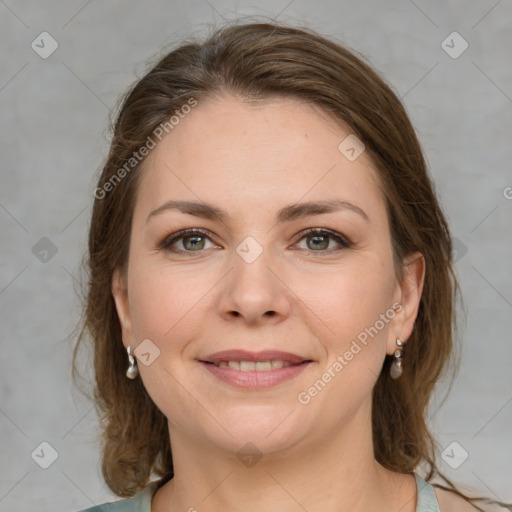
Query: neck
{"points": [[335, 474]]}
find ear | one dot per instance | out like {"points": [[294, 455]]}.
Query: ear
{"points": [[408, 294], [120, 293]]}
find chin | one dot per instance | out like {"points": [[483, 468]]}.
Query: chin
{"points": [[270, 429]]}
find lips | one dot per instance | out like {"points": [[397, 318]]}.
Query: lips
{"points": [[254, 370], [244, 355]]}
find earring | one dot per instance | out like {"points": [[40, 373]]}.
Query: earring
{"points": [[132, 371], [396, 367]]}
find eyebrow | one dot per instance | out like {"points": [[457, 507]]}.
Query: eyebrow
{"points": [[287, 214]]}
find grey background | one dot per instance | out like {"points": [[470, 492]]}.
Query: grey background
{"points": [[54, 137]]}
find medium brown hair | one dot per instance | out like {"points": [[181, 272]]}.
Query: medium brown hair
{"points": [[256, 61]]}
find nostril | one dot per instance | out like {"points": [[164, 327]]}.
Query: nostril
{"points": [[270, 313]]}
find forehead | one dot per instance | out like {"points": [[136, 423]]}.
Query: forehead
{"points": [[282, 149]]}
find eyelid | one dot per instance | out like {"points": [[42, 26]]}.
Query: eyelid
{"points": [[335, 235], [171, 238]]}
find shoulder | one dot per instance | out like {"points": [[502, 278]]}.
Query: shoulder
{"points": [[114, 506], [141, 502], [107, 507], [451, 502]]}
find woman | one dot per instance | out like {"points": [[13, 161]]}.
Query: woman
{"points": [[271, 295]]}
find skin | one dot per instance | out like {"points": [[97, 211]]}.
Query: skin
{"points": [[252, 160]]}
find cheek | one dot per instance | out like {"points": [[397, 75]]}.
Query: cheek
{"points": [[350, 303], [349, 298], [163, 301], [355, 307]]}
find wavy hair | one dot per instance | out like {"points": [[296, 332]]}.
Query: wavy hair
{"points": [[256, 61]]}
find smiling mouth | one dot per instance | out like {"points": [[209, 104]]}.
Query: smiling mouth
{"points": [[255, 375], [259, 366], [250, 370]]}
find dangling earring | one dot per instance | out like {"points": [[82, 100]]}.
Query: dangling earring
{"points": [[396, 367], [132, 371]]}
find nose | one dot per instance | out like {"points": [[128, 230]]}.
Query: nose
{"points": [[255, 292]]}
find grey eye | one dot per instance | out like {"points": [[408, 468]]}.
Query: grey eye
{"points": [[316, 242], [192, 242]]}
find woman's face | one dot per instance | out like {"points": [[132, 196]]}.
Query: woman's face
{"points": [[251, 278]]}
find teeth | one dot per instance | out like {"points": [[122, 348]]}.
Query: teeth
{"points": [[262, 365], [249, 366]]}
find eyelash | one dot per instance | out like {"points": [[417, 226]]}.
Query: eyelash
{"points": [[169, 240]]}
